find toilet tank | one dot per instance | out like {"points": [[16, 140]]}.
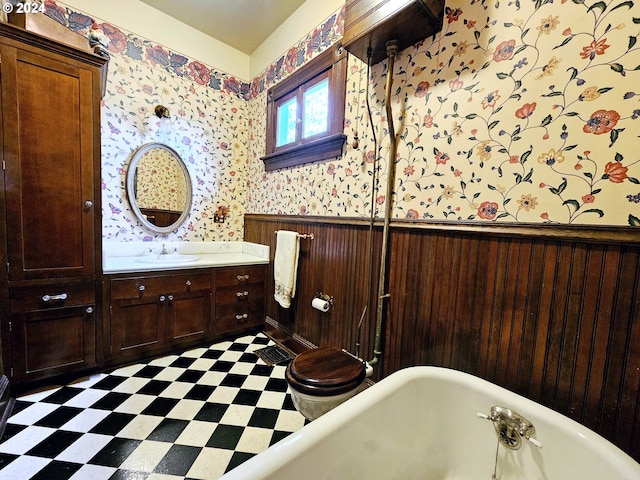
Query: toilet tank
{"points": [[372, 23]]}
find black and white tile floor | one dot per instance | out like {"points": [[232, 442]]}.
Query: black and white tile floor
{"points": [[190, 416]]}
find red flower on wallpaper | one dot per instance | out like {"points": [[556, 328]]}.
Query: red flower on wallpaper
{"points": [[615, 171], [504, 51], [422, 89], [488, 210], [200, 73], [526, 110], [594, 48], [601, 121], [441, 157]]}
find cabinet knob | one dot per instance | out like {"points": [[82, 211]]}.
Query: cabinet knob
{"points": [[188, 283], [242, 294], [170, 297], [89, 310], [242, 317], [88, 204], [162, 298], [242, 278], [142, 288], [49, 298]]}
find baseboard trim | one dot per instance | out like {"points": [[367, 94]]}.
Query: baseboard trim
{"points": [[6, 403], [291, 341]]}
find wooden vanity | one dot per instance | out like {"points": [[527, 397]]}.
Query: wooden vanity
{"points": [[159, 312], [153, 306]]}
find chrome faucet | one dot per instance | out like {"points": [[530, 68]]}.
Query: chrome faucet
{"points": [[164, 250], [511, 427]]}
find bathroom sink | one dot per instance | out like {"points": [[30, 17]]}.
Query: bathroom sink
{"points": [[172, 258]]}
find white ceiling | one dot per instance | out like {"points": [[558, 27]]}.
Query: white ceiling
{"points": [[241, 24]]}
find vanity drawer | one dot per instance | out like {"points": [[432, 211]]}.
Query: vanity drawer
{"points": [[240, 275], [231, 318], [28, 299], [240, 294], [159, 285]]}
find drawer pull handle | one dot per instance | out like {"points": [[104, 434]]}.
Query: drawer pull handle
{"points": [[188, 283], [242, 277], [242, 317], [162, 298], [49, 298], [89, 310], [170, 297], [142, 288], [242, 294]]}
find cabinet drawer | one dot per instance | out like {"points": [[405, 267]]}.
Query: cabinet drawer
{"points": [[28, 299], [240, 275], [239, 294], [230, 318], [159, 285]]}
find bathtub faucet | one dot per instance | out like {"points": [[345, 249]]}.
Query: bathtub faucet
{"points": [[511, 427]]}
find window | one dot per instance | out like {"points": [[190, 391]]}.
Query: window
{"points": [[305, 112]]}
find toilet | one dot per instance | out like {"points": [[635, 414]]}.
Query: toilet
{"points": [[323, 378]]}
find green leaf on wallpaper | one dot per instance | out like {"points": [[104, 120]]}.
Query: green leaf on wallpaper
{"points": [[616, 67], [601, 5], [493, 124], [527, 177], [491, 187], [564, 42], [571, 114], [502, 76], [634, 221], [628, 3], [579, 2], [614, 134], [636, 19], [546, 121], [632, 42], [595, 210], [570, 147], [634, 180], [573, 203], [471, 116], [574, 72]]}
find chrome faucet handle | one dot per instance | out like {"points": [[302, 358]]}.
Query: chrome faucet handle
{"points": [[511, 427]]}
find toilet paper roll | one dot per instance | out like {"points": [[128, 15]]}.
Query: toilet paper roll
{"points": [[320, 304]]}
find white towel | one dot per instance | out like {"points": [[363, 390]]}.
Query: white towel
{"points": [[285, 266]]}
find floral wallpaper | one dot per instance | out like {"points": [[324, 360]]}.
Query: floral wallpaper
{"points": [[159, 182], [207, 128], [519, 111]]}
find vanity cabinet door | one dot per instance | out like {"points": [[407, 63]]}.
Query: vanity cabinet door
{"points": [[188, 316], [155, 313], [137, 327], [51, 145]]}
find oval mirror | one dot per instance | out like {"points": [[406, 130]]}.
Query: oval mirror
{"points": [[159, 187]]}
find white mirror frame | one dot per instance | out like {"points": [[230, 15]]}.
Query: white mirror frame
{"points": [[130, 187]]}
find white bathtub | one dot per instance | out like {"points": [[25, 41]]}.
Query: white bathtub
{"points": [[422, 423]]}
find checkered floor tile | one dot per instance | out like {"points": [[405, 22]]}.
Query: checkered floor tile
{"points": [[195, 415]]}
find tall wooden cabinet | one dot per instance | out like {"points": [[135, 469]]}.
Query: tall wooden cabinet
{"points": [[50, 207]]}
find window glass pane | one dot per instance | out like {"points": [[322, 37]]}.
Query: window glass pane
{"points": [[316, 109], [286, 122]]}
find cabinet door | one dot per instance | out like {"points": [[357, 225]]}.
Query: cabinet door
{"points": [[137, 327], [188, 316], [52, 342], [48, 121]]}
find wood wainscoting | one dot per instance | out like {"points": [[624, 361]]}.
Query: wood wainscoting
{"points": [[552, 313]]}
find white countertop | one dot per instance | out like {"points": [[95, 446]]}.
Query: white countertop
{"points": [[131, 257]]}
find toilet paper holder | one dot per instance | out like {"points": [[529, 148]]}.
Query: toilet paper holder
{"points": [[325, 303], [324, 296]]}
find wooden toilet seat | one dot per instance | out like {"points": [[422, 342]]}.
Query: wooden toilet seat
{"points": [[325, 371]]}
